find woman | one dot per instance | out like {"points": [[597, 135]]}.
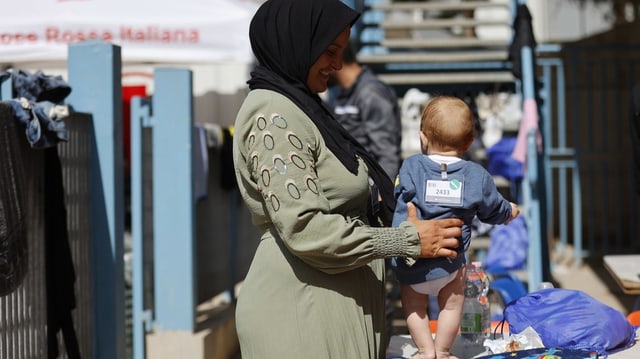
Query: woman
{"points": [[315, 288]]}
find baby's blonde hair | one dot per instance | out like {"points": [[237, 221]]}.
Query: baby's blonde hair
{"points": [[447, 122]]}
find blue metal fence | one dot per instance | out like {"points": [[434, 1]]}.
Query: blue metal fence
{"points": [[563, 218], [92, 163]]}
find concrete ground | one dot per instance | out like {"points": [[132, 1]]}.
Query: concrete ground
{"points": [[592, 278]]}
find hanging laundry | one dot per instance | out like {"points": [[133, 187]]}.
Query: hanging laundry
{"points": [[60, 270], [13, 211], [37, 104], [529, 122], [200, 163], [213, 134], [498, 113], [413, 102]]}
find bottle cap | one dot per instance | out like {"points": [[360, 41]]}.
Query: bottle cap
{"points": [[471, 266]]}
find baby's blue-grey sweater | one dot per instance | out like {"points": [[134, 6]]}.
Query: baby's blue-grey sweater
{"points": [[479, 197]]}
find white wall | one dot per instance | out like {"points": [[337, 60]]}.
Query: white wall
{"points": [[566, 20]]}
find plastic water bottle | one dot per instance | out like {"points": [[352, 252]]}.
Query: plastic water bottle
{"points": [[484, 299], [472, 311]]}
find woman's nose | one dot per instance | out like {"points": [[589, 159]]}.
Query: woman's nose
{"points": [[337, 64]]}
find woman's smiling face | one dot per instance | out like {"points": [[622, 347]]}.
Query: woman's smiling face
{"points": [[329, 61]]}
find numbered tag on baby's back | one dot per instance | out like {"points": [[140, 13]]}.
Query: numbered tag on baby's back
{"points": [[445, 192]]}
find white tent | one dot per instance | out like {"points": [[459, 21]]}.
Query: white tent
{"points": [[146, 30]]}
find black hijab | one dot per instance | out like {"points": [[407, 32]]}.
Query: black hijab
{"points": [[287, 37]]}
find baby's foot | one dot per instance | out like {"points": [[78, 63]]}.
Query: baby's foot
{"points": [[445, 355], [422, 355]]}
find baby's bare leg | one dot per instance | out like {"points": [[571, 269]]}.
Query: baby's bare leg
{"points": [[451, 300], [414, 305]]}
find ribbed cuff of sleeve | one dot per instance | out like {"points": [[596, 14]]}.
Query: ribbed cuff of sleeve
{"points": [[397, 241]]}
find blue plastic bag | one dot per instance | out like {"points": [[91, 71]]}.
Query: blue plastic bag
{"points": [[571, 319], [509, 246], [500, 161]]}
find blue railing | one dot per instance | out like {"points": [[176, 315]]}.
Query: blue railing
{"points": [[94, 76], [563, 195]]}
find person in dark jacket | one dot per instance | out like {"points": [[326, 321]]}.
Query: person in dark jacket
{"points": [[368, 109]]}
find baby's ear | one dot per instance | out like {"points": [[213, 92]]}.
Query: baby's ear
{"points": [[424, 142]]}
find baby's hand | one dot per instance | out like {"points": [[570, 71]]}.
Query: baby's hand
{"points": [[515, 211]]}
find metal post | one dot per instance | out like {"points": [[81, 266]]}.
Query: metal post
{"points": [[140, 117], [95, 77], [174, 203], [534, 190], [6, 89]]}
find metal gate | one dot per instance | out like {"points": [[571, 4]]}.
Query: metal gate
{"points": [[599, 84]]}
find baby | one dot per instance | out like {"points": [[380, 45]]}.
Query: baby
{"points": [[441, 184]]}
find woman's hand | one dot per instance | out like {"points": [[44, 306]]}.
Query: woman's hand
{"points": [[437, 236]]}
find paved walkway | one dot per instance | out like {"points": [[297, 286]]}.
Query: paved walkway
{"points": [[593, 279]]}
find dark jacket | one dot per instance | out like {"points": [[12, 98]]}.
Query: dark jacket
{"points": [[369, 111]]}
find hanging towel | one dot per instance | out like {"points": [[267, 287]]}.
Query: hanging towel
{"points": [[529, 122], [522, 36], [60, 270], [13, 212], [214, 134]]}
